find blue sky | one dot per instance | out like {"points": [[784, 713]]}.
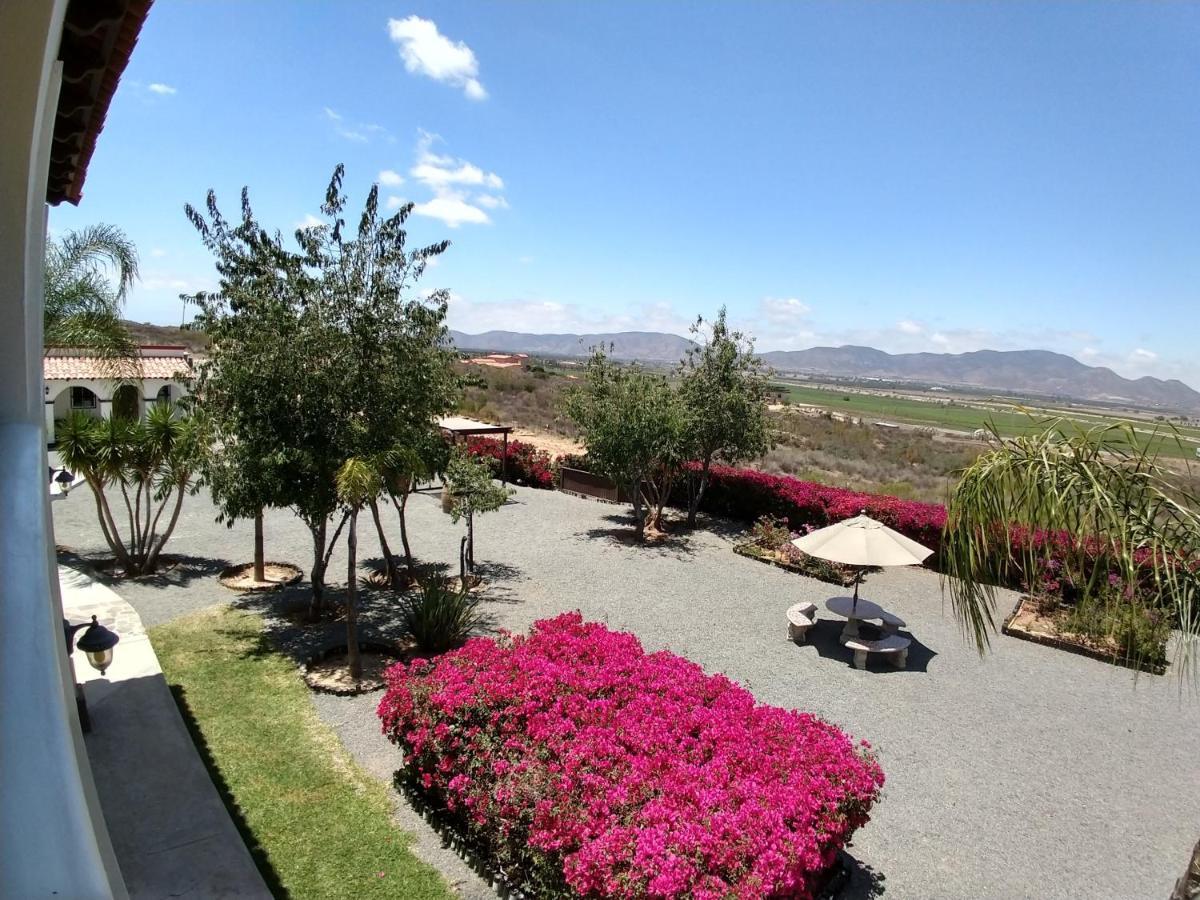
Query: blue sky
{"points": [[940, 177]]}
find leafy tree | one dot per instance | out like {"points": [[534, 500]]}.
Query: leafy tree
{"points": [[634, 427], [82, 304], [1108, 506], [472, 491], [723, 388], [319, 356], [157, 458]]}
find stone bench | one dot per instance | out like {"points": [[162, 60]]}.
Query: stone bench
{"points": [[891, 622], [894, 647], [800, 618]]}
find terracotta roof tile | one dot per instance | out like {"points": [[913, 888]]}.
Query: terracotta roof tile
{"points": [[85, 368]]}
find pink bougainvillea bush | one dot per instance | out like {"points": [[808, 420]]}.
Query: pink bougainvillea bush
{"points": [[747, 494], [584, 766], [527, 464]]}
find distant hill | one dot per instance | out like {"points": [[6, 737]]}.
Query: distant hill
{"points": [[1026, 371], [648, 346], [146, 333]]}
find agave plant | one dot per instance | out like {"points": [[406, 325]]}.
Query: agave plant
{"points": [[1098, 502], [149, 465], [439, 617]]}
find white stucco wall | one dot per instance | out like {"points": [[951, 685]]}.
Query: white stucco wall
{"points": [[53, 839]]}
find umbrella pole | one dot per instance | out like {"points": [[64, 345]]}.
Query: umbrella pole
{"points": [[857, 579]]}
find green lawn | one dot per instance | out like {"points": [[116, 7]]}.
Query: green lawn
{"points": [[318, 826], [963, 416]]}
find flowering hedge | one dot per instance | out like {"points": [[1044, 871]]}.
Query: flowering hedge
{"points": [[527, 464], [748, 494], [586, 767]]}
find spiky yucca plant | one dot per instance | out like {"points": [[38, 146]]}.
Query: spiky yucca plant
{"points": [[439, 617], [1103, 504]]}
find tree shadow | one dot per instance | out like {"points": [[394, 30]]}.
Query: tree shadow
{"points": [[825, 637], [175, 569], [673, 543]]}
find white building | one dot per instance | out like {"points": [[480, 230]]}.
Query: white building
{"points": [[78, 382]]}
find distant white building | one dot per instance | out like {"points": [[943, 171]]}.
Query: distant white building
{"points": [[79, 382]]}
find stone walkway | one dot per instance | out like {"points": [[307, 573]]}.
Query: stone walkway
{"points": [[1026, 773], [172, 834]]}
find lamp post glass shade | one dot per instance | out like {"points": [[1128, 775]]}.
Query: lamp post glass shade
{"points": [[97, 645]]}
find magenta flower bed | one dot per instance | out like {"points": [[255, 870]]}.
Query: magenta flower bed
{"points": [[747, 494], [527, 464], [587, 767]]}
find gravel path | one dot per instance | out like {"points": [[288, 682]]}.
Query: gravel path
{"points": [[1028, 773]]}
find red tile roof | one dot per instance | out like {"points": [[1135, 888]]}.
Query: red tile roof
{"points": [[90, 368]]}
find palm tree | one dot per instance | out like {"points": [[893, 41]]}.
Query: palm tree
{"points": [[82, 302], [1102, 504], [149, 464]]}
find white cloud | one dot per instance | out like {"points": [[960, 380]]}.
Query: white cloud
{"points": [[394, 202], [390, 178], [783, 310], [163, 90], [158, 252], [447, 177], [549, 316], [309, 221], [940, 339], [428, 52], [908, 326], [170, 281], [524, 260], [1142, 355], [452, 210], [358, 132]]}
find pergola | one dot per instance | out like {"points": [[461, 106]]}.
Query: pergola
{"points": [[460, 426]]}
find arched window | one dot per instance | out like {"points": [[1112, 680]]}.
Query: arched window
{"points": [[164, 394], [82, 398]]}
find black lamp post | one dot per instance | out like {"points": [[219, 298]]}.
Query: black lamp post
{"points": [[97, 645]]}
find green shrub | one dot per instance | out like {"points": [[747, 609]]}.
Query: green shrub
{"points": [[439, 617]]}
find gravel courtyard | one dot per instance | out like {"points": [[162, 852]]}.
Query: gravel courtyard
{"points": [[1028, 773]]}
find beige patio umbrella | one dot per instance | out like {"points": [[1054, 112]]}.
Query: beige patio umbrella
{"points": [[860, 542]]}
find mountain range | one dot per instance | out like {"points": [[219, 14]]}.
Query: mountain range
{"points": [[1041, 372]]}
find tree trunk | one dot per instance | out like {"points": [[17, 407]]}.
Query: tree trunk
{"points": [[638, 523], [404, 533], [107, 525], [352, 654], [152, 559], [260, 564], [695, 497], [389, 564], [1188, 885], [317, 605], [471, 540]]}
